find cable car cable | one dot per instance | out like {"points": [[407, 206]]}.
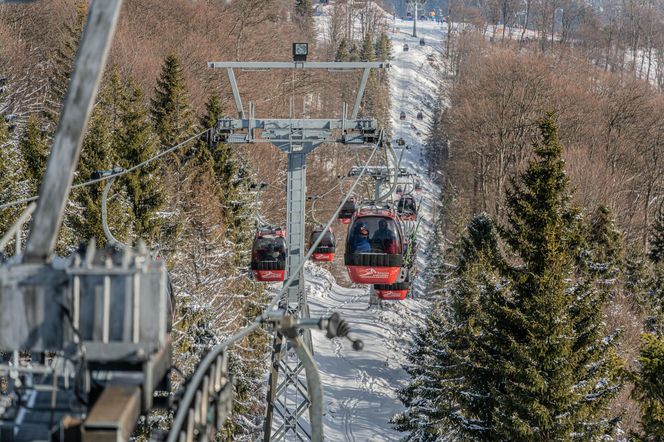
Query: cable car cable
{"points": [[312, 211], [260, 221], [115, 175]]}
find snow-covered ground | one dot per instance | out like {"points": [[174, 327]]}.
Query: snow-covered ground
{"points": [[360, 387]]}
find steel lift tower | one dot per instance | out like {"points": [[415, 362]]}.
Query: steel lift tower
{"points": [[416, 4], [288, 399]]}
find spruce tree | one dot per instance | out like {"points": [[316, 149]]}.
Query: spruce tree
{"points": [[602, 257], [217, 152], [63, 67], [656, 241], [11, 169], [304, 8], [384, 47], [353, 52], [449, 392], [637, 279], [368, 53], [86, 219], [206, 274], [556, 371], [342, 51], [98, 154], [436, 145], [136, 142], [649, 388], [113, 98], [228, 170], [35, 150], [171, 114], [655, 284], [422, 417]]}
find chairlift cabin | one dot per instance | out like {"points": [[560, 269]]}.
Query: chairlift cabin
{"points": [[402, 116], [268, 254], [418, 186], [397, 291], [406, 208], [421, 42], [326, 248], [374, 247], [420, 116], [405, 47], [347, 211]]}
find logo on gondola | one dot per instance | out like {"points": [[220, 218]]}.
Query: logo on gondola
{"points": [[269, 274], [372, 273]]}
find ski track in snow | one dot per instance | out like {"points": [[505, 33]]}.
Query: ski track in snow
{"points": [[360, 387]]}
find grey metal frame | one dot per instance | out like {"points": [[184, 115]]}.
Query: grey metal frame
{"points": [[62, 161], [66, 309], [288, 395]]}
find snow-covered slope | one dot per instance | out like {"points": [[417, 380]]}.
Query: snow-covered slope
{"points": [[360, 387]]}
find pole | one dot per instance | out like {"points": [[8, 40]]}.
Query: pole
{"points": [[290, 398], [415, 19], [55, 187]]}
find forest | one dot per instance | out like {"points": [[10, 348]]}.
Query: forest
{"points": [[545, 277], [196, 208], [547, 142]]}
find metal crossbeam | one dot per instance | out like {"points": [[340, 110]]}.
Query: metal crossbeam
{"points": [[332, 65], [303, 134], [328, 65]]}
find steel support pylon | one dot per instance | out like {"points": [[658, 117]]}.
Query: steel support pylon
{"points": [[289, 402], [286, 417]]}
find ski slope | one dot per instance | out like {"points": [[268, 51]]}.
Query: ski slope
{"points": [[360, 387]]}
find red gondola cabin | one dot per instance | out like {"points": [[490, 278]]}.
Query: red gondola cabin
{"points": [[374, 247], [406, 208], [268, 255], [326, 248], [397, 291], [347, 211]]}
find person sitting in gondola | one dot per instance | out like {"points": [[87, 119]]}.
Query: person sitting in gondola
{"points": [[280, 250], [384, 239], [267, 253], [360, 242], [410, 205]]}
